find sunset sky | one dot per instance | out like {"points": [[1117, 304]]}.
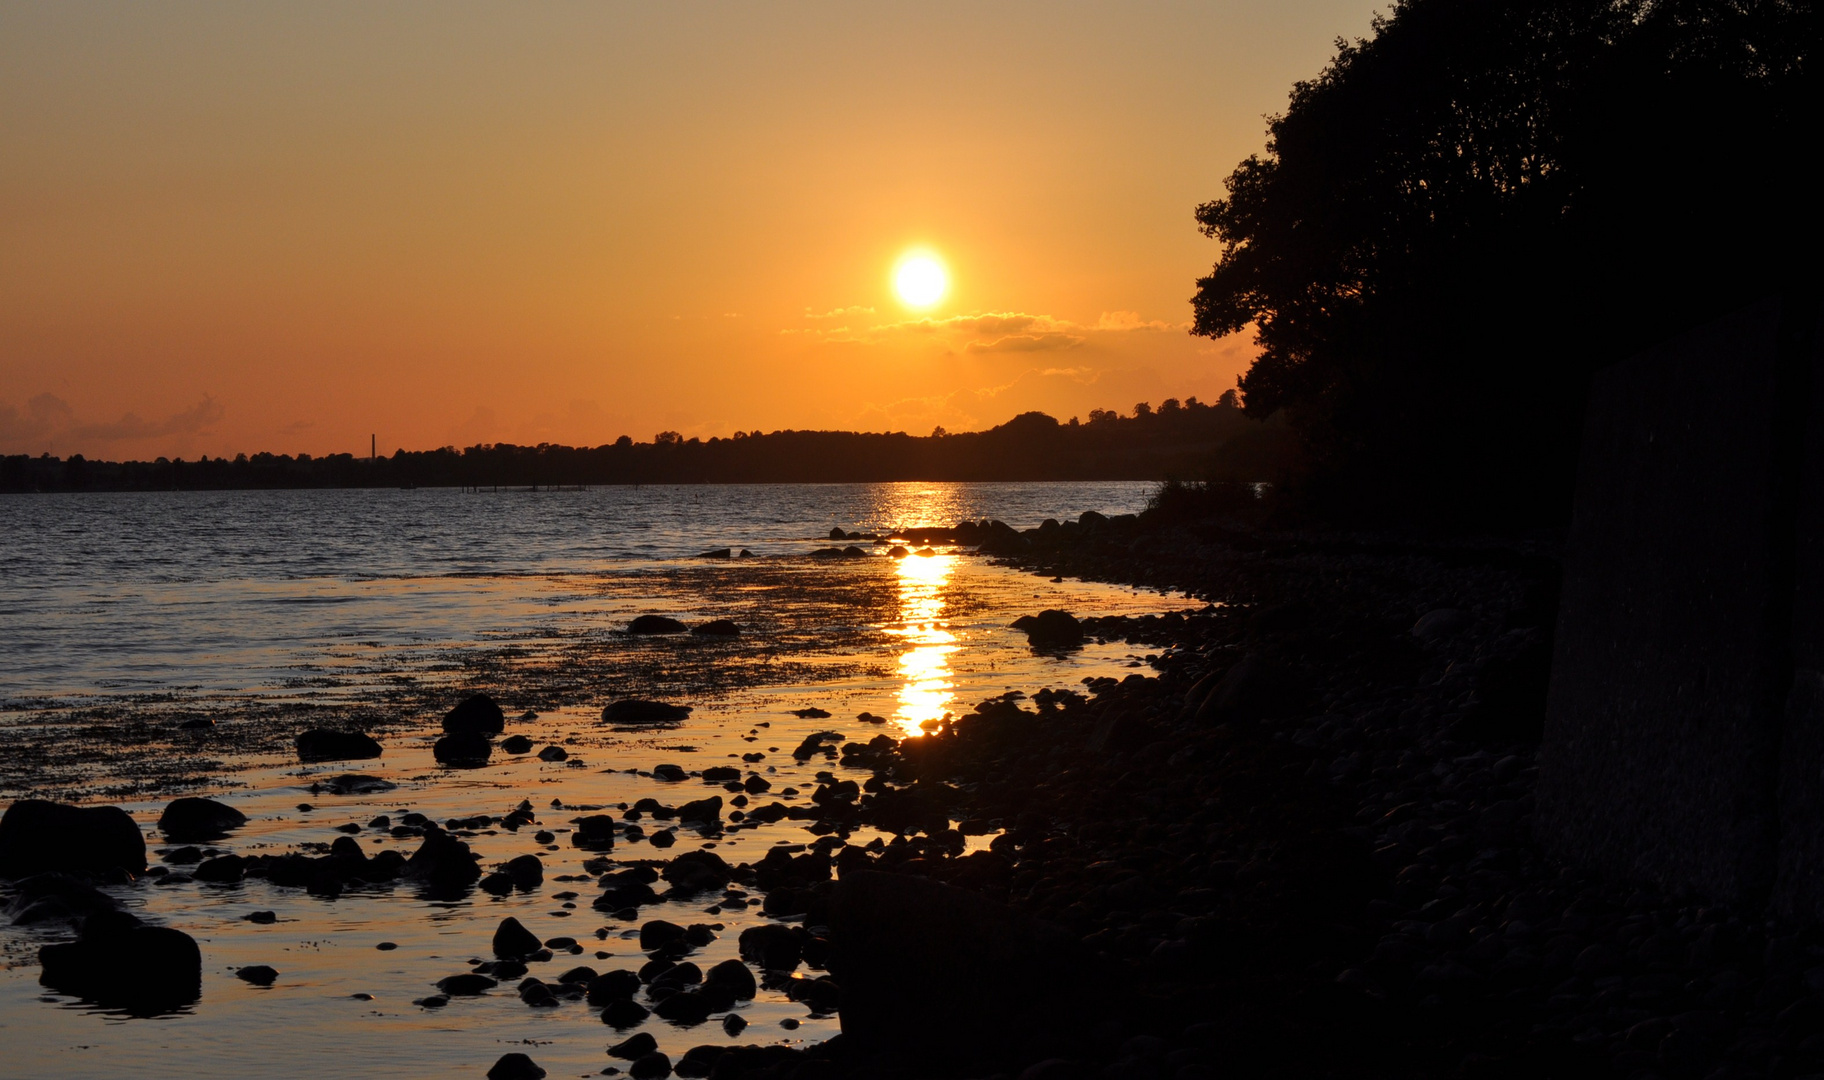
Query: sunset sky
{"points": [[242, 227]]}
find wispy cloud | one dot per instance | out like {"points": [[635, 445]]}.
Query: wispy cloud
{"points": [[1026, 343], [980, 332], [1124, 321]]}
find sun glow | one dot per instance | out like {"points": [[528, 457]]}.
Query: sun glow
{"points": [[920, 279]]}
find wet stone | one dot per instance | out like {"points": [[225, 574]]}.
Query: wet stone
{"points": [[257, 974]]}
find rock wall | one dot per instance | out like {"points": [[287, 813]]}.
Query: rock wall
{"points": [[1682, 744]]}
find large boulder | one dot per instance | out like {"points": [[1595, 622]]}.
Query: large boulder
{"points": [[476, 714], [120, 962], [190, 819], [914, 956], [656, 624], [36, 836], [636, 712], [326, 744]]}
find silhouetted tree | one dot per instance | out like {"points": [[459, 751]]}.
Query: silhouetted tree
{"points": [[1467, 213]]}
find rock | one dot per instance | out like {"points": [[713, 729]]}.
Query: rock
{"points": [[537, 995], [257, 974], [659, 933], [654, 1066], [655, 624], [717, 553], [734, 1024], [324, 744], [464, 750], [717, 628], [704, 811], [634, 1047], [516, 1067], [516, 744], [1440, 624], [672, 774], [914, 956], [636, 712], [442, 860], [118, 961], [721, 774], [477, 714], [662, 839], [772, 946], [467, 984], [594, 833], [525, 871], [734, 976], [190, 818], [1051, 629], [583, 974], [697, 871], [685, 1007], [613, 986], [624, 1013], [357, 784], [512, 941], [36, 836], [553, 753], [222, 870], [812, 713]]}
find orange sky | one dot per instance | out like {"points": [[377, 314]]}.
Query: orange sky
{"points": [[234, 227]]}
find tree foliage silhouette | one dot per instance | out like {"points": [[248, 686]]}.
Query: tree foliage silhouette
{"points": [[1468, 212]]}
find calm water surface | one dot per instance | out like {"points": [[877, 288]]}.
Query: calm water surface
{"points": [[142, 607]]}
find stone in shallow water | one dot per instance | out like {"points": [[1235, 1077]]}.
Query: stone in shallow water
{"points": [[120, 961], [512, 941], [477, 714], [257, 974], [637, 712], [192, 818], [324, 744]]}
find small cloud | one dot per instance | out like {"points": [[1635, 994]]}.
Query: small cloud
{"points": [[731, 314], [1129, 320], [1026, 343], [297, 427], [839, 313]]}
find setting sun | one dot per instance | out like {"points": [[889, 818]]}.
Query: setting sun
{"points": [[920, 280]]}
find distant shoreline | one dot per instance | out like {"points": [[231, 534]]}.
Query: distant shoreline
{"points": [[1188, 440]]}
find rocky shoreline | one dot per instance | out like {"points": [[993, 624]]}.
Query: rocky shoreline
{"points": [[1300, 845]]}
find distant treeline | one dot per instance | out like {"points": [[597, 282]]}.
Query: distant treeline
{"points": [[1187, 439]]}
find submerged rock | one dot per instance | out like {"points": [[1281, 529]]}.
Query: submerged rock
{"points": [[119, 961], [443, 860], [717, 628], [191, 818], [553, 753], [638, 712], [257, 974], [656, 624], [325, 744], [517, 744], [357, 784], [633, 1047], [36, 836], [477, 714]]}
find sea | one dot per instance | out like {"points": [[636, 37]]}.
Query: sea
{"points": [[171, 643]]}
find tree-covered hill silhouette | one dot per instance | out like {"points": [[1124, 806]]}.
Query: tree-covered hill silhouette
{"points": [[1466, 214], [1176, 439]]}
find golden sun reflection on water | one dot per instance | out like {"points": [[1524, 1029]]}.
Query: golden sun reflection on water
{"points": [[926, 689]]}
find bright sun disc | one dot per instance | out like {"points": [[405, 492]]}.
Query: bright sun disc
{"points": [[920, 280]]}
